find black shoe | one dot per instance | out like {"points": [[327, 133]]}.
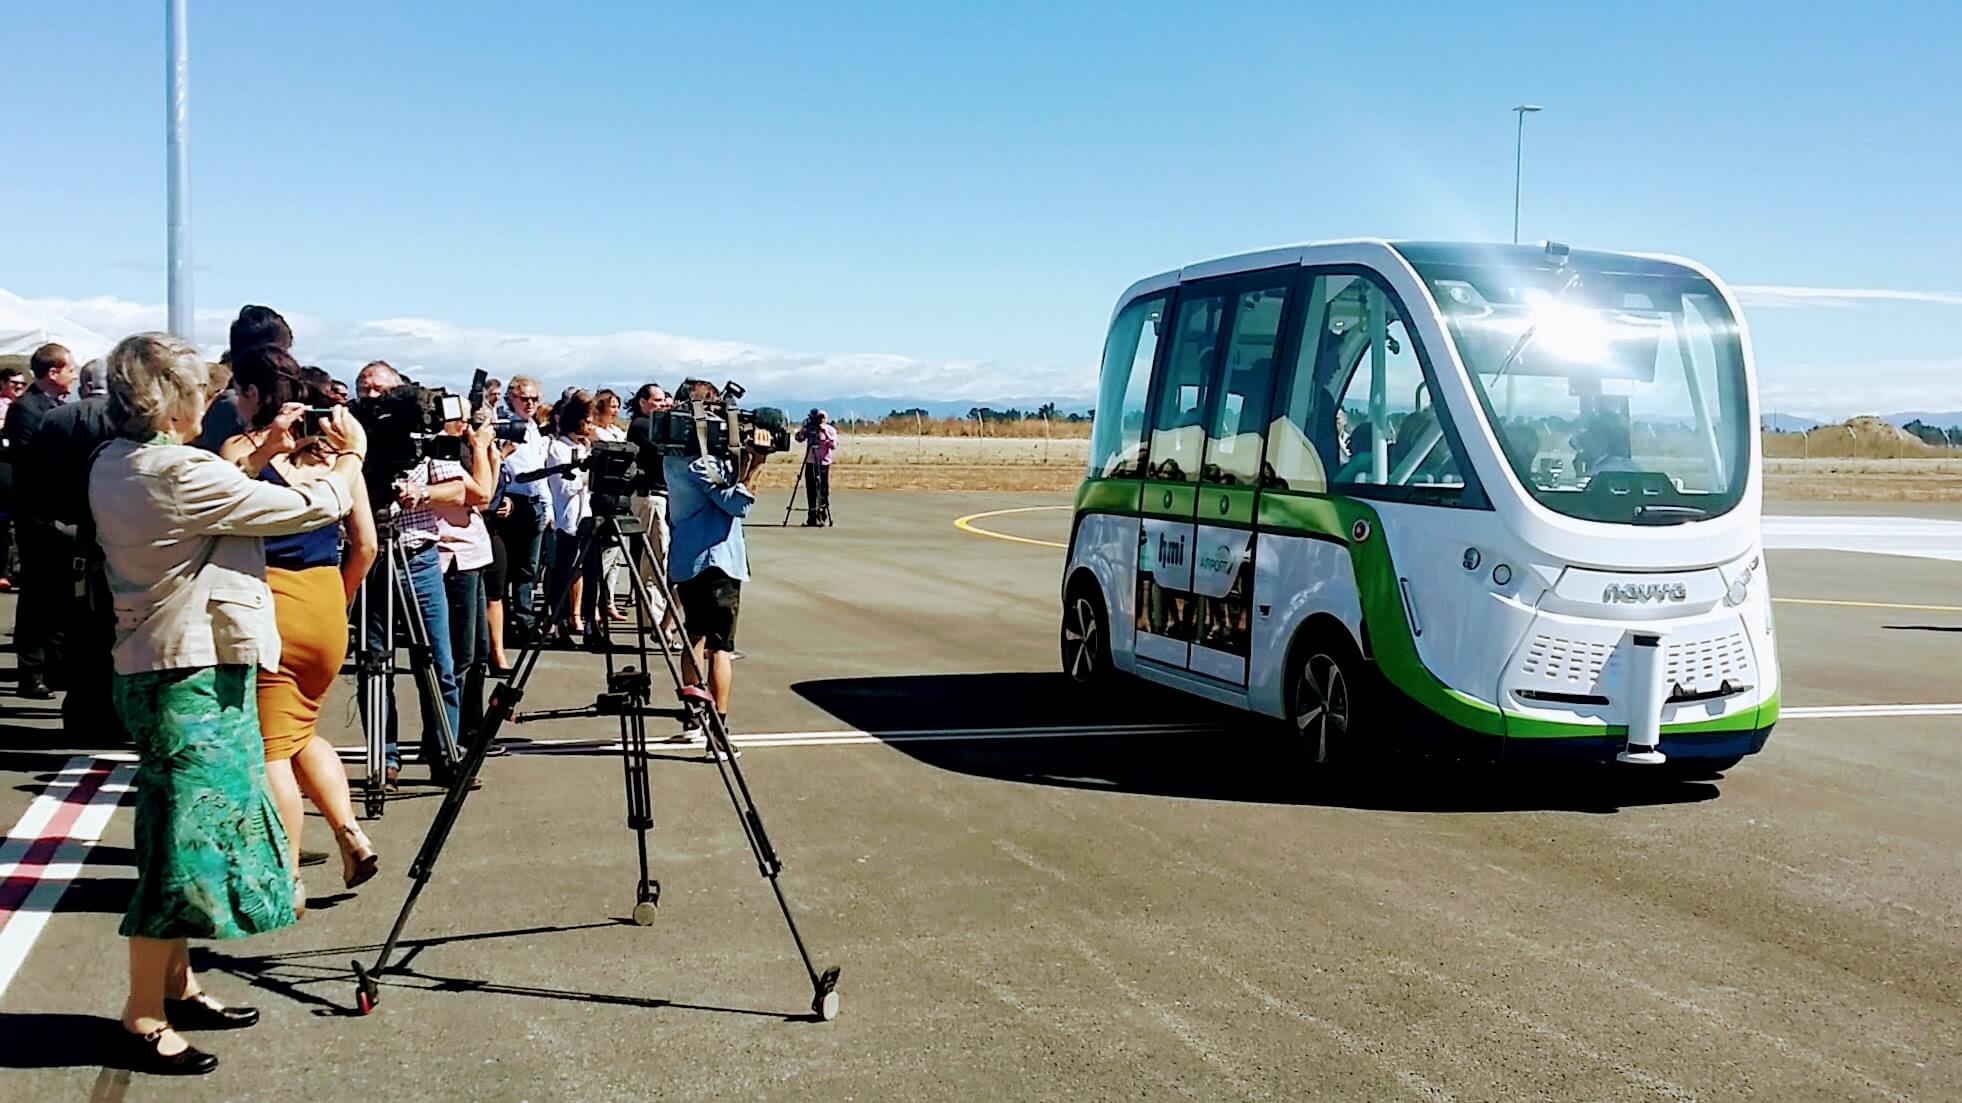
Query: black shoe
{"points": [[313, 857], [197, 1013], [143, 1056], [35, 688]]}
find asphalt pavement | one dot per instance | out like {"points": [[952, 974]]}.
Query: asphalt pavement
{"points": [[1025, 912]]}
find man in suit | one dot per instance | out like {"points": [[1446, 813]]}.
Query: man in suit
{"points": [[60, 454], [46, 557]]}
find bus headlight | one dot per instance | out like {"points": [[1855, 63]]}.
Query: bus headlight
{"points": [[1740, 587]]}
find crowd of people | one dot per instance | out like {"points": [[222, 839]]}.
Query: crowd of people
{"points": [[198, 543]]}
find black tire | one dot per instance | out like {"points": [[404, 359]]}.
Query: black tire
{"points": [[1085, 637], [1327, 697]]}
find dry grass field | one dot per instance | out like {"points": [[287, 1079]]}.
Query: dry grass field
{"points": [[891, 462]]}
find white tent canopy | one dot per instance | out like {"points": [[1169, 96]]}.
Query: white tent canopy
{"points": [[25, 327]]}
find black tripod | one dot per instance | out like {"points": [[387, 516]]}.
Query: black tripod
{"points": [[821, 515], [628, 693], [375, 669]]}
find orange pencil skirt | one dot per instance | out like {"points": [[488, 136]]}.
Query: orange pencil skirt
{"points": [[311, 609]]}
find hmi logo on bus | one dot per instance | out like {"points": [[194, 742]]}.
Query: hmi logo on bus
{"points": [[1171, 553]]}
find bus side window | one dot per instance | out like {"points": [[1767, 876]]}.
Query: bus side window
{"points": [[1302, 439], [1388, 427], [1234, 443], [1178, 432], [1117, 429]]}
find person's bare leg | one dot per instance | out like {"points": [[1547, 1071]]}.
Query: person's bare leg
{"points": [[151, 963], [494, 617], [573, 604], [323, 779], [286, 798], [722, 673]]}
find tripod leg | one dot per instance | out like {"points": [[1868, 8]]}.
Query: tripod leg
{"points": [[824, 985], [791, 505], [370, 671], [503, 703], [422, 661], [633, 683]]}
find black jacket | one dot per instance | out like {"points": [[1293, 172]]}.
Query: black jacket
{"points": [[54, 462]]}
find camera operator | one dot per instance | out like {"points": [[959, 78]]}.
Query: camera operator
{"points": [[417, 532], [708, 497], [458, 492], [820, 439], [524, 526], [650, 503]]}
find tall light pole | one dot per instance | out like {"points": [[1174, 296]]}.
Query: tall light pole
{"points": [[1518, 147], [177, 143]]}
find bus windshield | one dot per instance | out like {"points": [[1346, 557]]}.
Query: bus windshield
{"points": [[1618, 396]]}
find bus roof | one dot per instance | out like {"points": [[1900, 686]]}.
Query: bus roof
{"points": [[1417, 253]]}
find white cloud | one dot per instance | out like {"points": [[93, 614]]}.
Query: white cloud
{"points": [[1831, 391], [440, 353], [1768, 295]]}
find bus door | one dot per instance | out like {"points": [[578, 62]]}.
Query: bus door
{"points": [[1167, 612], [1231, 477]]}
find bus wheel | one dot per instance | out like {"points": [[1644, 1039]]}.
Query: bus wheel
{"points": [[1086, 637], [1322, 699]]}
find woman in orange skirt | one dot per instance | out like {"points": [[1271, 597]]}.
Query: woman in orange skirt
{"points": [[312, 587]]}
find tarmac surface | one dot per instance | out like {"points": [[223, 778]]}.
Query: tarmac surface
{"points": [[1041, 914]]}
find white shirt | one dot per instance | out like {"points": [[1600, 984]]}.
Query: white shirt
{"points": [[571, 498], [529, 456]]}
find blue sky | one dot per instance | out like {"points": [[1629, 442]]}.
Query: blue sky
{"points": [[921, 199]]}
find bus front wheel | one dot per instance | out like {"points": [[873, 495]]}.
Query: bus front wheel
{"points": [[1086, 637], [1325, 695]]}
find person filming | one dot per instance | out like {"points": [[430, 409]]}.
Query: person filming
{"points": [[708, 497], [820, 440]]}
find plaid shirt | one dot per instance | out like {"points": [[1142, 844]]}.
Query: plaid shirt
{"points": [[418, 528]]}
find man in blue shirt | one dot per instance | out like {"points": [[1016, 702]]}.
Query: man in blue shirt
{"points": [[708, 497]]}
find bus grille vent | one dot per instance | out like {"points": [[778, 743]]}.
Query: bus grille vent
{"points": [[1705, 663], [1568, 662]]}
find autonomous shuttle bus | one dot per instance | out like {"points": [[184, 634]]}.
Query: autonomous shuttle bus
{"points": [[1503, 498]]}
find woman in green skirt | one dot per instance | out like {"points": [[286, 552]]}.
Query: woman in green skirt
{"points": [[180, 530]]}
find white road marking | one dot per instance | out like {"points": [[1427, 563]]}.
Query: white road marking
{"points": [[850, 737], [22, 927], [1918, 537]]}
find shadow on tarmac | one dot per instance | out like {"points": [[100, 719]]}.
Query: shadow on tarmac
{"points": [[1227, 756], [292, 975], [30, 1040]]}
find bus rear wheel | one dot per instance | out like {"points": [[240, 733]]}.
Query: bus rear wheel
{"points": [[1086, 637], [1325, 691]]}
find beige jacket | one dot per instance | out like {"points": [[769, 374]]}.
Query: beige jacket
{"points": [[181, 532]]}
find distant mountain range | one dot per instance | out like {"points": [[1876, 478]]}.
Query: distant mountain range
{"points": [[1792, 423], [871, 407]]}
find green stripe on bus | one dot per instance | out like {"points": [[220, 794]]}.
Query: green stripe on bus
{"points": [[1164, 499], [1226, 505], [1108, 496]]}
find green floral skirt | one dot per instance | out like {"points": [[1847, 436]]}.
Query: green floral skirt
{"points": [[210, 853]]}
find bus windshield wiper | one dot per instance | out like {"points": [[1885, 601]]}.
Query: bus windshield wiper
{"points": [[1668, 515]]}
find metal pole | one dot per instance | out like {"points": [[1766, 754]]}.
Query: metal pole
{"points": [[1518, 147], [177, 134]]}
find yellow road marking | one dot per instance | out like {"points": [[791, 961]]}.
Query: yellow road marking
{"points": [[966, 524], [1868, 604]]}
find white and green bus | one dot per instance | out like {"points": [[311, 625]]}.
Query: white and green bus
{"points": [[1503, 501]]}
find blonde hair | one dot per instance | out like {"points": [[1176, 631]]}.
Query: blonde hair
{"points": [[154, 378]]}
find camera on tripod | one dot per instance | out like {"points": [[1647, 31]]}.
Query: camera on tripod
{"points": [[405, 426], [702, 427]]}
